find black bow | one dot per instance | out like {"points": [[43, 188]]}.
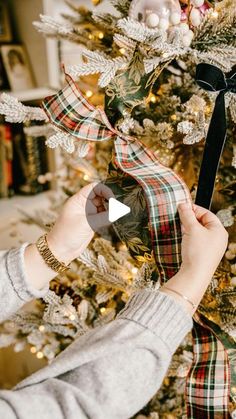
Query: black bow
{"points": [[213, 79]]}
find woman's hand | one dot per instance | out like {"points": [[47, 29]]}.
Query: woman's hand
{"points": [[71, 233], [203, 245], [204, 240]]}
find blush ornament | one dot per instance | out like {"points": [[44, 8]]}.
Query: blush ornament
{"points": [[197, 3], [195, 17]]}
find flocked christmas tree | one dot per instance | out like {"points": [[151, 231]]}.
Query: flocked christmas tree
{"points": [[145, 55]]}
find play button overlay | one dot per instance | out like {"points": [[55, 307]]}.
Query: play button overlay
{"points": [[116, 210], [103, 208]]}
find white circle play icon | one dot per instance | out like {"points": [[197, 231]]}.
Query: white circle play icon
{"points": [[116, 210]]}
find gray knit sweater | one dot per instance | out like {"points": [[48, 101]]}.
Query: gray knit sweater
{"points": [[109, 373]]}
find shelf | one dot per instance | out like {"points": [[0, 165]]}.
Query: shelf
{"points": [[32, 94]]}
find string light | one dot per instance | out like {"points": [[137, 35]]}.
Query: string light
{"points": [[72, 317], [215, 14], [39, 355], [33, 350], [173, 117], [101, 35], [134, 270], [153, 99], [165, 54], [91, 36], [86, 177], [102, 309], [122, 50], [89, 93], [41, 328]]}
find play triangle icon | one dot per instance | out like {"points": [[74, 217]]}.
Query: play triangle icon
{"points": [[116, 210]]}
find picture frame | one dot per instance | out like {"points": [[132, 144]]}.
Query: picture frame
{"points": [[5, 26], [17, 66]]}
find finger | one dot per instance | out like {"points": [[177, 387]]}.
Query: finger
{"points": [[101, 208], [88, 191], [99, 220], [103, 191], [98, 201], [187, 216], [90, 207], [206, 217]]}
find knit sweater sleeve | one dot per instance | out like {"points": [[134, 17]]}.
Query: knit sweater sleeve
{"points": [[110, 372], [15, 290]]}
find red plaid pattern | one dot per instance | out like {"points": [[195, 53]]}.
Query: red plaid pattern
{"points": [[164, 190], [208, 381], [207, 388]]}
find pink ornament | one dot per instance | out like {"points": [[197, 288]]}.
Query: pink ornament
{"points": [[183, 16], [204, 8]]}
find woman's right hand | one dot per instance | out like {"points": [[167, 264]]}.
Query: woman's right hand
{"points": [[203, 245], [204, 240]]}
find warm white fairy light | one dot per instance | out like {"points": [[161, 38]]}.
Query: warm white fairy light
{"points": [[215, 14], [39, 355], [122, 50], [86, 177], [72, 317], [101, 35], [153, 99], [42, 328], [134, 270], [102, 309], [33, 350], [89, 93], [165, 54]]}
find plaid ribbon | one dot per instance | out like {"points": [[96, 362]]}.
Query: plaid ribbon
{"points": [[208, 379]]}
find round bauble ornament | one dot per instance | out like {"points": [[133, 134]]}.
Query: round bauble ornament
{"points": [[187, 38], [232, 247], [164, 24], [197, 3], [233, 283], [175, 18], [184, 27], [141, 10], [152, 20], [195, 17], [204, 8]]}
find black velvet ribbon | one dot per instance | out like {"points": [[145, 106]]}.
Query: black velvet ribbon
{"points": [[211, 78]]}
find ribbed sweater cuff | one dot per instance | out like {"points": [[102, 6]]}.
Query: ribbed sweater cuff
{"points": [[15, 265], [160, 313], [8, 413]]}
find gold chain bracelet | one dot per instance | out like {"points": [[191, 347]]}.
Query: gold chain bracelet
{"points": [[48, 257], [181, 295]]}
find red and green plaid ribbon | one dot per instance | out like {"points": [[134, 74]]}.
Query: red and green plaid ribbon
{"points": [[207, 390]]}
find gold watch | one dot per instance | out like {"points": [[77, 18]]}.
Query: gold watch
{"points": [[49, 258]]}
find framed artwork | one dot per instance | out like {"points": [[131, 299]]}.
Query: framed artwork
{"points": [[17, 67], [5, 27]]}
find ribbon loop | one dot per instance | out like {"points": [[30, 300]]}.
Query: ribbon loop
{"points": [[212, 79], [231, 84]]}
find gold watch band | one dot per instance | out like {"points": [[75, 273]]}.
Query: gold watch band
{"points": [[49, 258]]}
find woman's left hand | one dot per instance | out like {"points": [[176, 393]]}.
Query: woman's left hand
{"points": [[72, 231]]}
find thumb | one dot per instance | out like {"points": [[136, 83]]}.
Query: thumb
{"points": [[187, 216], [99, 220]]}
